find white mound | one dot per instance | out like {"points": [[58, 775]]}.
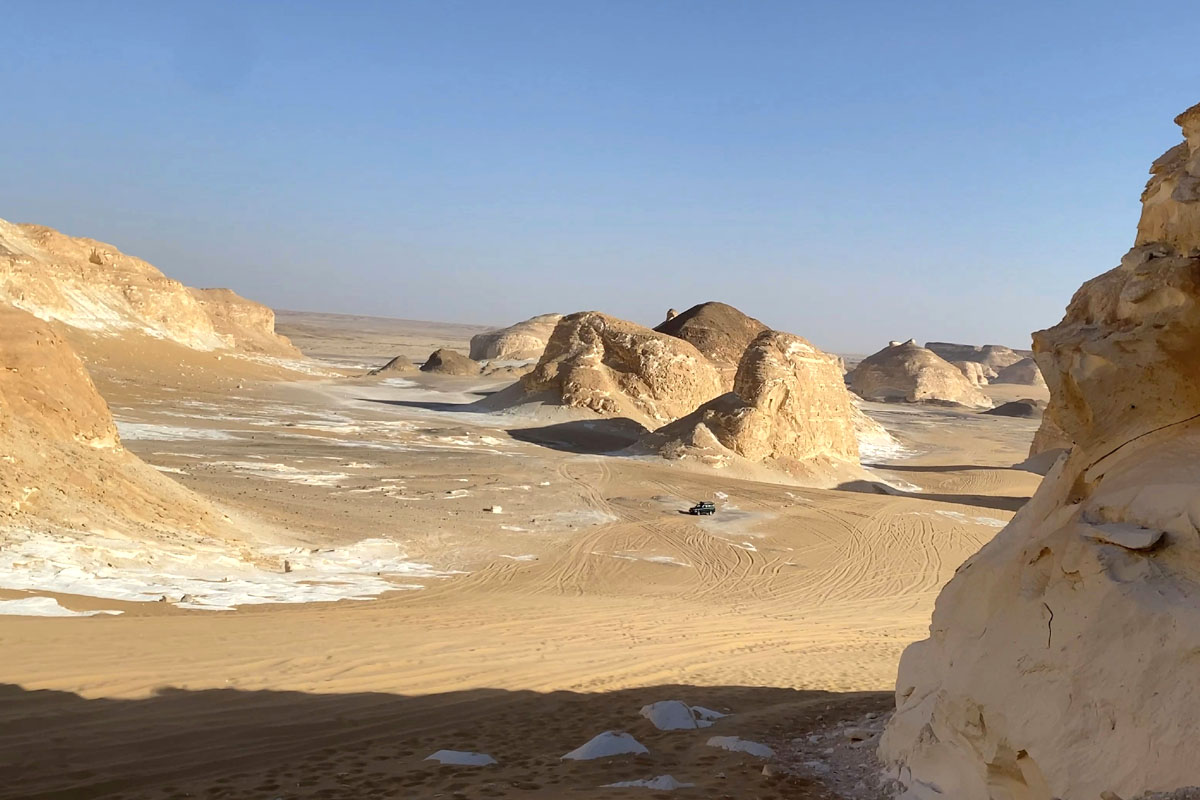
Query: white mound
{"points": [[607, 745], [664, 783], [675, 715], [736, 744], [461, 758], [43, 607]]}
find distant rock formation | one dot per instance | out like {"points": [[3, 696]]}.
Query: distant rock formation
{"points": [[1023, 373], [1057, 655], [400, 365], [449, 362], [249, 326], [671, 314], [975, 372], [617, 368], [993, 356], [1026, 407], [719, 331], [789, 410], [519, 342], [63, 463], [94, 286], [908, 373]]}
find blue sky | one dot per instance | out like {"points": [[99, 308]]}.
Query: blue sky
{"points": [[850, 171]]}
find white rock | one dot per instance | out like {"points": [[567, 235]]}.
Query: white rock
{"points": [[606, 745], [461, 758], [736, 744], [675, 715], [662, 783]]}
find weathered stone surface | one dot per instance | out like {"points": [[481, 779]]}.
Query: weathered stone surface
{"points": [[994, 357], [1023, 373], [249, 326], [905, 372], [1056, 655], [617, 368], [400, 365], [1026, 407], [519, 342], [450, 362], [719, 331], [789, 410], [974, 371], [1171, 201]]}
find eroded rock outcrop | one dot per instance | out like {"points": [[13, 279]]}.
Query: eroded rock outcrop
{"points": [[617, 368], [789, 410], [1058, 656], [519, 342], [93, 286], [994, 357], [1023, 373], [975, 372], [905, 372], [449, 362], [400, 365], [719, 331]]}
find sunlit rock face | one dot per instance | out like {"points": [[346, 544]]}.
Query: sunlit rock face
{"points": [[905, 372], [519, 342], [1058, 658]]}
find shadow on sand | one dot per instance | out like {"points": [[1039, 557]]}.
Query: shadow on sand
{"points": [[594, 437], [226, 743], [999, 502]]}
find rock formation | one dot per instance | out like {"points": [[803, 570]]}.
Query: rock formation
{"points": [[1171, 202], [400, 365], [1058, 659], [63, 463], [1024, 373], [671, 314], [520, 342], [975, 372], [449, 362], [719, 331], [617, 368], [993, 356], [1025, 407], [908, 373], [789, 410], [95, 287]]}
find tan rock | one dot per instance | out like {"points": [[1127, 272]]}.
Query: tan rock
{"points": [[671, 314], [620, 369], [719, 331], [1057, 654], [1171, 201], [974, 371], [450, 362], [249, 326], [908, 373], [400, 365], [519, 342], [789, 410], [993, 356], [1023, 373]]}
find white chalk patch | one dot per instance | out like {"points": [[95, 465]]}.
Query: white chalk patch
{"points": [[607, 745], [673, 715], [520, 558], [736, 744], [43, 607], [461, 758], [707, 714], [172, 470], [663, 783], [513, 528], [283, 472], [145, 431], [958, 516]]}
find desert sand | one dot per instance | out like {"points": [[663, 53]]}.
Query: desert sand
{"points": [[522, 591]]}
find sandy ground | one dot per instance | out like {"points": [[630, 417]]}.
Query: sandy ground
{"points": [[588, 596]]}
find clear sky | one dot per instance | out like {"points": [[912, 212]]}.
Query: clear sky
{"points": [[850, 171]]}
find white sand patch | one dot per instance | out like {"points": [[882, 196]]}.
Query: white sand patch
{"points": [[201, 574], [305, 366], [958, 516], [607, 745], [516, 528], [582, 517], [172, 470], [676, 715], [283, 472], [736, 744], [520, 558], [461, 758], [667, 560], [43, 607], [142, 431], [663, 783], [456, 494]]}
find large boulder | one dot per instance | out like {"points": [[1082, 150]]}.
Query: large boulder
{"points": [[977, 373], [617, 368], [449, 362], [905, 372], [1023, 373], [519, 342], [789, 410], [719, 331], [1059, 658], [993, 357]]}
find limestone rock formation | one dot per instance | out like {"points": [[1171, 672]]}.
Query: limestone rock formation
{"points": [[993, 356], [671, 314], [1026, 407], [1024, 373], [519, 342], [1171, 202], [617, 368], [450, 362], [719, 331], [975, 372], [905, 372], [400, 365], [63, 463], [1058, 656], [789, 410], [94, 286], [249, 326]]}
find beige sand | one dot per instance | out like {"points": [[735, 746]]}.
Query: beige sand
{"points": [[587, 597]]}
